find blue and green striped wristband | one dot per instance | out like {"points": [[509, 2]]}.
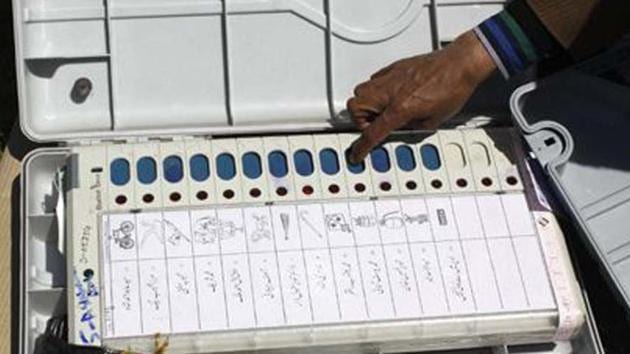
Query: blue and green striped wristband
{"points": [[516, 39]]}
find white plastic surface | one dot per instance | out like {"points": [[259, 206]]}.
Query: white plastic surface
{"points": [[43, 277], [163, 67], [590, 178]]}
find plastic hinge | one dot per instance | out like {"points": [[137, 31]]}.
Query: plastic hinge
{"points": [[546, 144], [90, 142], [134, 139]]}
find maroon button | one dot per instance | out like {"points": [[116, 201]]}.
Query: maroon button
{"points": [[308, 190], [255, 192], [511, 180], [121, 199], [175, 197], [281, 191], [202, 195]]}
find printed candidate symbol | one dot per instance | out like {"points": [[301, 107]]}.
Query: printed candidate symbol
{"points": [[210, 229], [364, 221], [397, 220], [122, 235], [441, 214], [391, 220], [174, 236], [284, 219], [337, 223], [153, 230], [261, 230], [304, 217]]}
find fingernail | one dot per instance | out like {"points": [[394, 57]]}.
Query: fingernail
{"points": [[351, 154], [353, 158], [356, 158]]}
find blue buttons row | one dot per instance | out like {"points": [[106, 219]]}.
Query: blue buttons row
{"points": [[173, 166]]}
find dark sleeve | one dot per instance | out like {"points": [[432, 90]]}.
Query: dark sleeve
{"points": [[529, 31], [584, 27]]}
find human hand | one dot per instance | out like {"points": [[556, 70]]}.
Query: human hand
{"points": [[425, 90]]}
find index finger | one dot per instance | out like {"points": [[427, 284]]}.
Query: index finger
{"points": [[375, 133]]}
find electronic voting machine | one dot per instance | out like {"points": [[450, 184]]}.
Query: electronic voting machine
{"points": [[202, 191]]}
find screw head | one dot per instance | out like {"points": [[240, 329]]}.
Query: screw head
{"points": [[81, 90]]}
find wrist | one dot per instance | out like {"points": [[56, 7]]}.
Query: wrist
{"points": [[476, 61]]}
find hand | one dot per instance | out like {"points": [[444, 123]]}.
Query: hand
{"points": [[426, 89]]}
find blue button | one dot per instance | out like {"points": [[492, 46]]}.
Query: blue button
{"points": [[355, 168], [430, 157], [252, 168], [380, 159], [119, 172], [173, 169], [226, 168], [303, 160], [329, 161], [147, 170], [199, 167], [404, 157], [278, 164]]}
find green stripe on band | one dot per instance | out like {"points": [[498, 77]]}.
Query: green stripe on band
{"points": [[524, 42]]}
